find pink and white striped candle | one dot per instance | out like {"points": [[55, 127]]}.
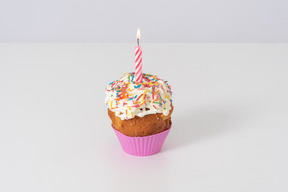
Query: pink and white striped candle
{"points": [[138, 60]]}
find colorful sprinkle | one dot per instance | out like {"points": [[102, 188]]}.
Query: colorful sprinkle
{"points": [[156, 92], [124, 94], [136, 87], [162, 87], [139, 97], [167, 97], [153, 92]]}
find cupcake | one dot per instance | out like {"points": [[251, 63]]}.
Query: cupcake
{"points": [[140, 112]]}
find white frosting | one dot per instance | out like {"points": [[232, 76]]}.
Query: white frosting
{"points": [[126, 97]]}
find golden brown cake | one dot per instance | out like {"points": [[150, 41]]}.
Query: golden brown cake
{"points": [[141, 126]]}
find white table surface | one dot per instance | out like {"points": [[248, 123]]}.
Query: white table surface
{"points": [[229, 124]]}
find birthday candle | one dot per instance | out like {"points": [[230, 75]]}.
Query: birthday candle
{"points": [[138, 60]]}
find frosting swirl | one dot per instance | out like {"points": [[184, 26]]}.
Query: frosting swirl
{"points": [[128, 98]]}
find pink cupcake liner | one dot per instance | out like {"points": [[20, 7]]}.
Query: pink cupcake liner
{"points": [[142, 146]]}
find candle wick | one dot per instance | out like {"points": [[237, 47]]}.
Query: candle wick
{"points": [[138, 42]]}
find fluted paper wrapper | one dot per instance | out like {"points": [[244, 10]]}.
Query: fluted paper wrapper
{"points": [[142, 146]]}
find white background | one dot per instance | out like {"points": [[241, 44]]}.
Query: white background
{"points": [[229, 129], [160, 20], [230, 122]]}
